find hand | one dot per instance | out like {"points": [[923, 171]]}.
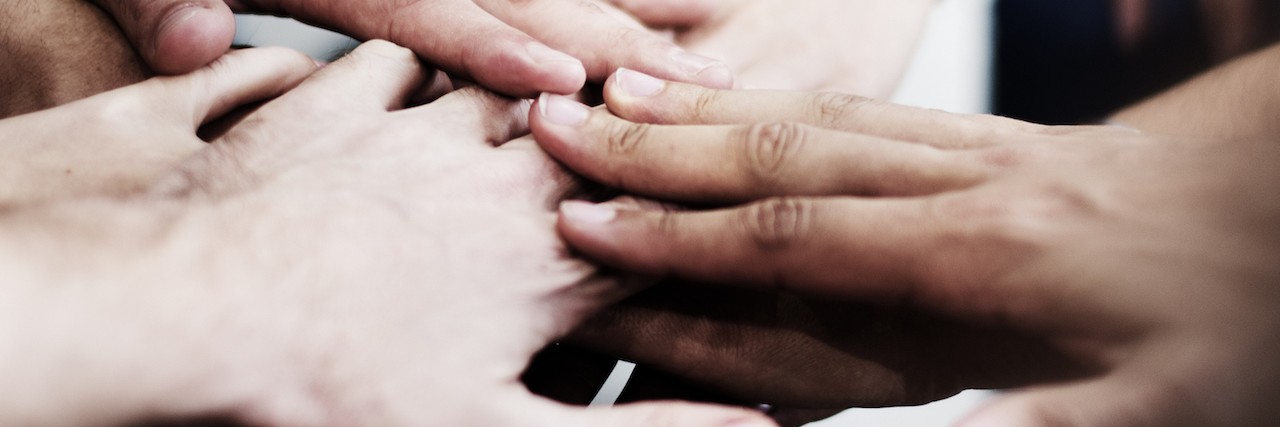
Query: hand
{"points": [[123, 142], [801, 352], [852, 46], [334, 259], [501, 44], [1150, 256]]}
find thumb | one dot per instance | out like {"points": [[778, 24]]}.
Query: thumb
{"points": [[175, 36], [660, 414]]}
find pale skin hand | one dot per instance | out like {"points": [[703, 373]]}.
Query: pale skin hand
{"points": [[1153, 257], [852, 46], [518, 48], [307, 271], [121, 144]]}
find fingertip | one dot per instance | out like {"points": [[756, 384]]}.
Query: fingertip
{"points": [[191, 37], [556, 122], [561, 111], [704, 71], [524, 68], [553, 119], [556, 72], [628, 83], [718, 77], [631, 94], [640, 97], [584, 215], [586, 226]]}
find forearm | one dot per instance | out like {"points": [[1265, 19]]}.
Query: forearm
{"points": [[107, 318], [1238, 100], [56, 51]]}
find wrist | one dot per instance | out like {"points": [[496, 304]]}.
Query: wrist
{"points": [[113, 320]]}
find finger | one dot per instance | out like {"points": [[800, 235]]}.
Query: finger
{"points": [[481, 115], [460, 38], [759, 347], [919, 252], [612, 44], [743, 162], [175, 36], [656, 414], [642, 98], [378, 75], [234, 80], [668, 13]]}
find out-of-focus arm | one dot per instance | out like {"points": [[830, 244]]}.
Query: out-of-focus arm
{"points": [[1239, 100]]}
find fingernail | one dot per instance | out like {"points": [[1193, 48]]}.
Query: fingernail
{"points": [[638, 84], [706, 70], [587, 213], [542, 54], [750, 422], [562, 111]]}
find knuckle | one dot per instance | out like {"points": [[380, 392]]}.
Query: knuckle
{"points": [[667, 225], [832, 109], [767, 149], [1007, 156], [625, 138], [779, 224], [705, 104]]}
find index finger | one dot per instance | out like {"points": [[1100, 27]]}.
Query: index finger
{"points": [[642, 98], [457, 36]]}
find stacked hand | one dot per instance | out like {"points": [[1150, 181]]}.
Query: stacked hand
{"points": [[851, 46], [333, 259], [1146, 263], [516, 48]]}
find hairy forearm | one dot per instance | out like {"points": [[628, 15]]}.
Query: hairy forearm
{"points": [[56, 51], [108, 317], [1238, 100]]}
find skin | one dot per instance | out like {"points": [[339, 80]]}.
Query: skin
{"points": [[44, 71], [274, 278], [515, 48], [858, 46], [1235, 101], [1145, 258]]}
